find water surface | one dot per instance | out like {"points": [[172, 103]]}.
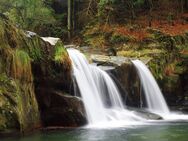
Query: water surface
{"points": [[155, 132]]}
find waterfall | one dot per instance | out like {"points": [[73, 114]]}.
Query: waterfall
{"points": [[154, 98], [100, 94]]}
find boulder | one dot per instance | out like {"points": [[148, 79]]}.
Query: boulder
{"points": [[104, 60], [127, 77], [124, 74], [18, 105], [61, 110], [32, 71], [145, 114]]}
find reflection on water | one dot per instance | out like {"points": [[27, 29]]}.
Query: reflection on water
{"points": [[160, 132]]}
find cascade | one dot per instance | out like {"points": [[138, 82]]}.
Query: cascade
{"points": [[154, 98], [95, 86]]}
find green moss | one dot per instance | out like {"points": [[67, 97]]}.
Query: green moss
{"points": [[34, 49], [60, 53], [96, 41], [8, 114], [140, 53], [21, 65], [1, 31], [18, 105]]}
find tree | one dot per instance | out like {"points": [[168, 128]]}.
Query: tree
{"points": [[69, 18], [27, 14]]}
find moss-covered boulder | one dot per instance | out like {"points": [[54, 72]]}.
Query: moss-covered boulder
{"points": [[8, 101], [30, 69], [53, 87], [18, 108]]}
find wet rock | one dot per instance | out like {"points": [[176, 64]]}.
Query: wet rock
{"points": [[71, 46], [30, 34], [127, 76], [103, 60], [18, 105], [58, 109], [30, 68], [146, 114], [51, 40]]}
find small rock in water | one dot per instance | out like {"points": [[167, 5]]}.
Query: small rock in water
{"points": [[146, 114]]}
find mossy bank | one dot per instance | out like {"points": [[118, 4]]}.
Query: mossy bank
{"points": [[29, 69]]}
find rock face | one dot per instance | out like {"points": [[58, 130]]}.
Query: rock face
{"points": [[168, 59], [124, 74], [34, 75], [128, 77], [58, 109], [53, 79], [18, 105]]}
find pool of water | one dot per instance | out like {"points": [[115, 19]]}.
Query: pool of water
{"points": [[154, 132]]}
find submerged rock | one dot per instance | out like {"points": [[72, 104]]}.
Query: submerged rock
{"points": [[146, 114]]}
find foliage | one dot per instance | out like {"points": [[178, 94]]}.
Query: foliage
{"points": [[53, 30], [117, 38], [109, 9], [27, 14]]}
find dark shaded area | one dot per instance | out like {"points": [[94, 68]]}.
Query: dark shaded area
{"points": [[58, 109]]}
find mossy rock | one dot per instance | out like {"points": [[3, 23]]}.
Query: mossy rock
{"points": [[8, 104], [27, 64], [20, 109]]}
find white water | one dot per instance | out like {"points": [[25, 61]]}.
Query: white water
{"points": [[154, 98], [95, 86], [102, 101]]}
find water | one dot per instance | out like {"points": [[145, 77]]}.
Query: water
{"points": [[110, 120], [154, 98], [102, 101], [155, 132]]}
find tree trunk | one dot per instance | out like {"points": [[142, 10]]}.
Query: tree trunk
{"points": [[150, 12], [69, 19], [182, 6], [186, 5], [132, 10], [73, 16]]}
